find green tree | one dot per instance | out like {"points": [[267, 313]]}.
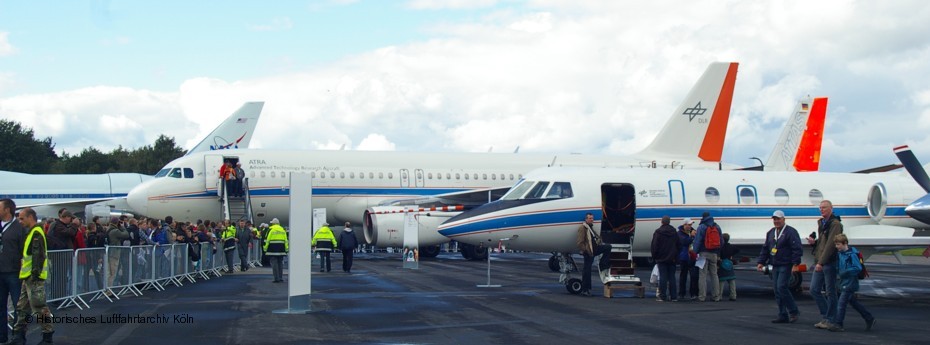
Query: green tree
{"points": [[20, 151]]}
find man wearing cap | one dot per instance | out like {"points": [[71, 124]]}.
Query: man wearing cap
{"points": [[686, 259], [276, 248], [703, 239], [782, 250], [62, 232]]}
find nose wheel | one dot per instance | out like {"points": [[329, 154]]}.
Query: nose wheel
{"points": [[573, 286]]}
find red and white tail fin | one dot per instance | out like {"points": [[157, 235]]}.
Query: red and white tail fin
{"points": [[698, 126], [798, 147]]}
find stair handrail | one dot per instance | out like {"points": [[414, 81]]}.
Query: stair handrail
{"points": [[247, 200]]}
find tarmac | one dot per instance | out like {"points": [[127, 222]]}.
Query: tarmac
{"points": [[439, 303]]}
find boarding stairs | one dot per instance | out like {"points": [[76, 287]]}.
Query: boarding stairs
{"points": [[621, 274], [238, 208]]}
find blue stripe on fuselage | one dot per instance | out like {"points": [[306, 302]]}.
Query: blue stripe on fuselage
{"points": [[267, 192], [543, 218], [63, 196]]}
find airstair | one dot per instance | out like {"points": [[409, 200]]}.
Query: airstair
{"points": [[238, 208]]}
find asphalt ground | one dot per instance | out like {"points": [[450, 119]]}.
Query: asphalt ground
{"points": [[439, 303]]}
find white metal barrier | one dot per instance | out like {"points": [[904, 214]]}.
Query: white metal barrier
{"points": [[114, 271]]}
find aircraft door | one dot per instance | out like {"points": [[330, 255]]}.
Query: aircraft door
{"points": [[419, 177], [404, 178], [211, 171], [676, 192], [618, 206]]}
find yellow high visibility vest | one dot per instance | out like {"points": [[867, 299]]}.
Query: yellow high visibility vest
{"points": [[26, 269]]}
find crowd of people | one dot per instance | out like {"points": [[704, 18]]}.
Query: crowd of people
{"points": [[705, 255]]}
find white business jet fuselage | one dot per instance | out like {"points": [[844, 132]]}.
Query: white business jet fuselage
{"points": [[742, 202]]}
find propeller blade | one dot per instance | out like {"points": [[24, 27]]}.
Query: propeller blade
{"points": [[913, 166]]}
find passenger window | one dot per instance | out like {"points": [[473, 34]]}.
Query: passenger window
{"points": [[419, 175], [712, 195], [537, 191], [332, 175], [188, 173], [342, 175], [390, 176], [176, 173], [381, 175], [466, 176], [560, 190], [493, 177], [371, 176], [439, 176], [352, 175], [272, 174], [457, 176], [313, 174], [816, 196], [511, 177], [263, 174], [502, 177], [781, 196], [448, 176], [475, 176], [429, 176]]}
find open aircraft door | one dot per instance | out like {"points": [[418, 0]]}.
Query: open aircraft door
{"points": [[211, 171], [618, 205]]}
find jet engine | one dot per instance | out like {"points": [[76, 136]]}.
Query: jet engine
{"points": [[384, 225], [877, 202]]}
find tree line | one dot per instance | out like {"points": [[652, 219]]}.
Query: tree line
{"points": [[21, 151]]}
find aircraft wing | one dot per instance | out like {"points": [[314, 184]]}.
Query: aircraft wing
{"points": [[474, 197]]}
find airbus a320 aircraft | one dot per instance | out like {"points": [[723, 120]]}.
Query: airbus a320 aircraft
{"points": [[536, 216], [47, 193], [348, 182]]}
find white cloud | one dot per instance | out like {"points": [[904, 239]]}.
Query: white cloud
{"points": [[6, 48], [375, 142], [449, 4], [276, 24], [576, 76]]}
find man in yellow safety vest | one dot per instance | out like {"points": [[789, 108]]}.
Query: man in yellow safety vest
{"points": [[31, 306]]}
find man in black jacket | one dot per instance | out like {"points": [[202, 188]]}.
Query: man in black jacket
{"points": [[782, 250], [61, 233], [11, 255], [347, 243], [665, 248]]}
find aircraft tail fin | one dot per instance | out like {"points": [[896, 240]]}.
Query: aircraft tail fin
{"points": [[235, 132], [698, 126], [798, 147]]}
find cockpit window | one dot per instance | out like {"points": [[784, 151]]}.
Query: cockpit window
{"points": [[175, 173], [538, 191], [162, 172], [560, 190], [518, 190], [188, 173]]}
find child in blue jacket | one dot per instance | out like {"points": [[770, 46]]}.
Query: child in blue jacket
{"points": [[848, 268]]}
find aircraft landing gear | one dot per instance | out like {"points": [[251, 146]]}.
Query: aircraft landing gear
{"points": [[573, 286], [430, 251], [794, 282], [554, 262], [472, 252]]}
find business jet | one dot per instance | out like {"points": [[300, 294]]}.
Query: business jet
{"points": [[47, 193], [798, 149], [346, 183], [538, 215]]}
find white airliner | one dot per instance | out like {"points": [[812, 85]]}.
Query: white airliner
{"points": [[532, 217], [348, 182], [47, 193]]}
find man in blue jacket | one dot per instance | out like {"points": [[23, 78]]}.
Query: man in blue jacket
{"points": [[782, 250], [707, 243]]}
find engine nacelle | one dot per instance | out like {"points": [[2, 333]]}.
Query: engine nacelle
{"points": [[877, 202], [384, 226]]}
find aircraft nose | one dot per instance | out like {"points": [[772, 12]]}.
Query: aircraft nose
{"points": [[138, 199]]}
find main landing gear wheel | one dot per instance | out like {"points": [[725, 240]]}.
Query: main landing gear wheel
{"points": [[472, 252], [573, 286], [430, 251], [554, 263]]}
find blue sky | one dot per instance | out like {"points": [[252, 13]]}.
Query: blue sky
{"points": [[458, 75]]}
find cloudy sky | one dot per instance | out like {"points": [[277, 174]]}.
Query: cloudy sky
{"points": [[464, 75]]}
